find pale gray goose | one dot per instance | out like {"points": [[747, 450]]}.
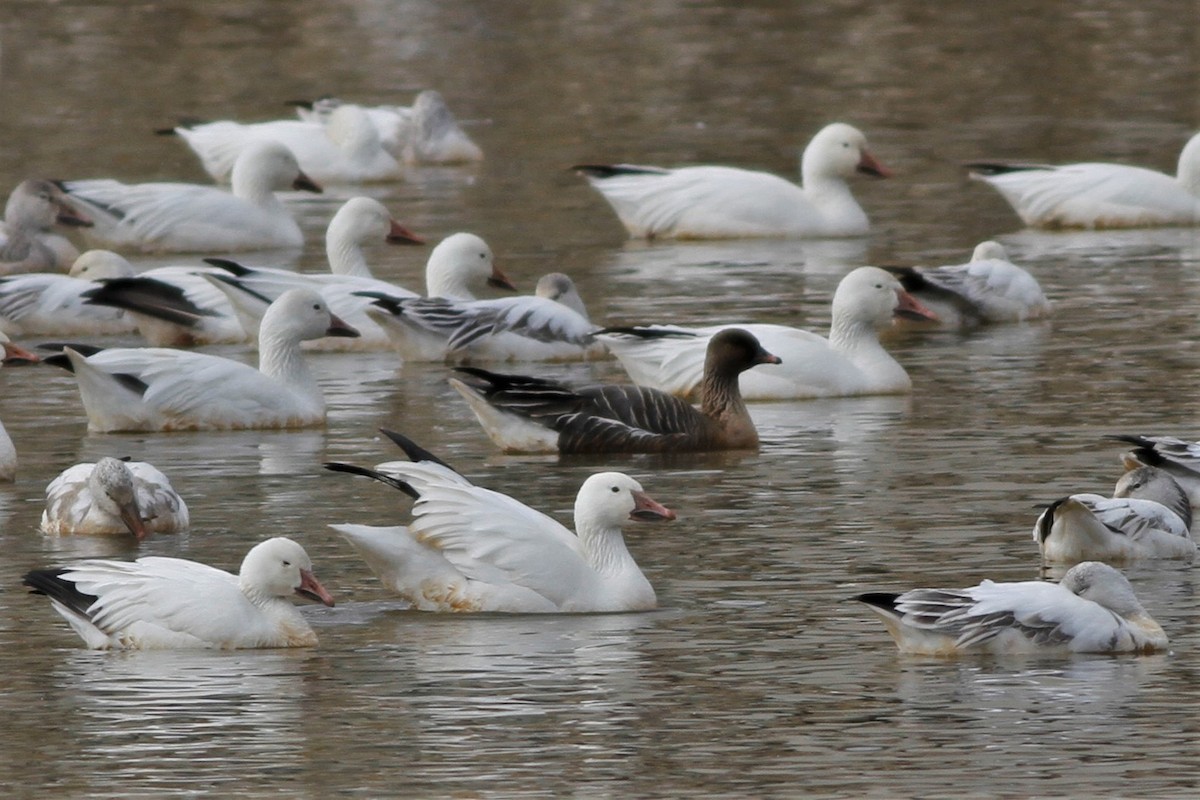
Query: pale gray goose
{"points": [[525, 414], [26, 243]]}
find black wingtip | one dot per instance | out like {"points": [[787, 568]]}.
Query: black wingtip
{"points": [[884, 600], [49, 582], [988, 168], [645, 332], [414, 451], [612, 170], [352, 469], [229, 265]]}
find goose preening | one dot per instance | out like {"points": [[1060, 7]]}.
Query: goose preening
{"points": [[1092, 610], [185, 217], [345, 147], [1179, 458], [850, 362], [524, 414], [224, 302], [10, 353], [989, 288], [1148, 516], [158, 389], [723, 202], [28, 242], [1098, 195], [472, 549], [550, 325], [158, 603], [50, 303], [113, 496]]}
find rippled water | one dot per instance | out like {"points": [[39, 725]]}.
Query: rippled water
{"points": [[756, 677]]}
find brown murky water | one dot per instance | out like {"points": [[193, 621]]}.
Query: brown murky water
{"points": [[756, 678]]}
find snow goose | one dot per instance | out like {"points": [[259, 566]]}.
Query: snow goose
{"points": [[989, 288], [850, 362], [49, 303], [472, 549], [1093, 610], [27, 243], [1179, 458], [1098, 195], [550, 325], [155, 389], [434, 136], [1148, 516], [10, 354], [344, 148], [724, 202], [113, 496], [158, 603], [392, 123], [184, 217], [523, 414]]}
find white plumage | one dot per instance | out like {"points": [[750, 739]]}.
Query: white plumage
{"points": [[53, 304], [10, 353], [28, 242], [113, 496]]}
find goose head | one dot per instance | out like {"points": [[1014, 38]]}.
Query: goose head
{"points": [[561, 289], [301, 315], [37, 205], [279, 567], [733, 351], [112, 489], [873, 296], [461, 264], [269, 167], [1152, 483], [361, 220], [1102, 584], [839, 151], [14, 354], [989, 251], [98, 265], [609, 499]]}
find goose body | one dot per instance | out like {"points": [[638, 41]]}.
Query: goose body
{"points": [[154, 389], [1095, 195], [708, 202], [28, 242], [1092, 610], [344, 148], [158, 603], [551, 325], [524, 414], [988, 289], [10, 353], [471, 549], [48, 303], [851, 361], [113, 496], [183, 217]]}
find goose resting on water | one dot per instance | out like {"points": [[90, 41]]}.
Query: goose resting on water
{"points": [[27, 240], [10, 354], [113, 496], [472, 549]]}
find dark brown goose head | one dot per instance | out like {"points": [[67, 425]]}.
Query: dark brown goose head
{"points": [[730, 353], [733, 351]]}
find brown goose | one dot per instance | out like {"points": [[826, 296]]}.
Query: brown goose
{"points": [[532, 415]]}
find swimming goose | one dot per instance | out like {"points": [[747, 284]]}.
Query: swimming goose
{"points": [[1098, 195], [113, 496], [27, 241], [725, 203], [343, 148], [50, 303], [1148, 516], [1179, 458], [1093, 610], [10, 354], [158, 603], [550, 325], [472, 549], [184, 217], [989, 288], [850, 362], [523, 414], [392, 123], [159, 389]]}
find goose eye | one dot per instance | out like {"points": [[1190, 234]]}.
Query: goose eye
{"points": [[316, 306], [616, 489], [483, 256], [287, 563]]}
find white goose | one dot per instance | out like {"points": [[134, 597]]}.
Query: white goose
{"points": [[1179, 458], [27, 241], [989, 288], [48, 303], [472, 549], [1093, 610], [343, 148], [850, 362], [10, 353], [113, 496], [1148, 516], [155, 389], [725, 203], [184, 217], [1098, 195], [183, 306], [550, 325], [391, 123], [460, 265], [159, 603]]}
